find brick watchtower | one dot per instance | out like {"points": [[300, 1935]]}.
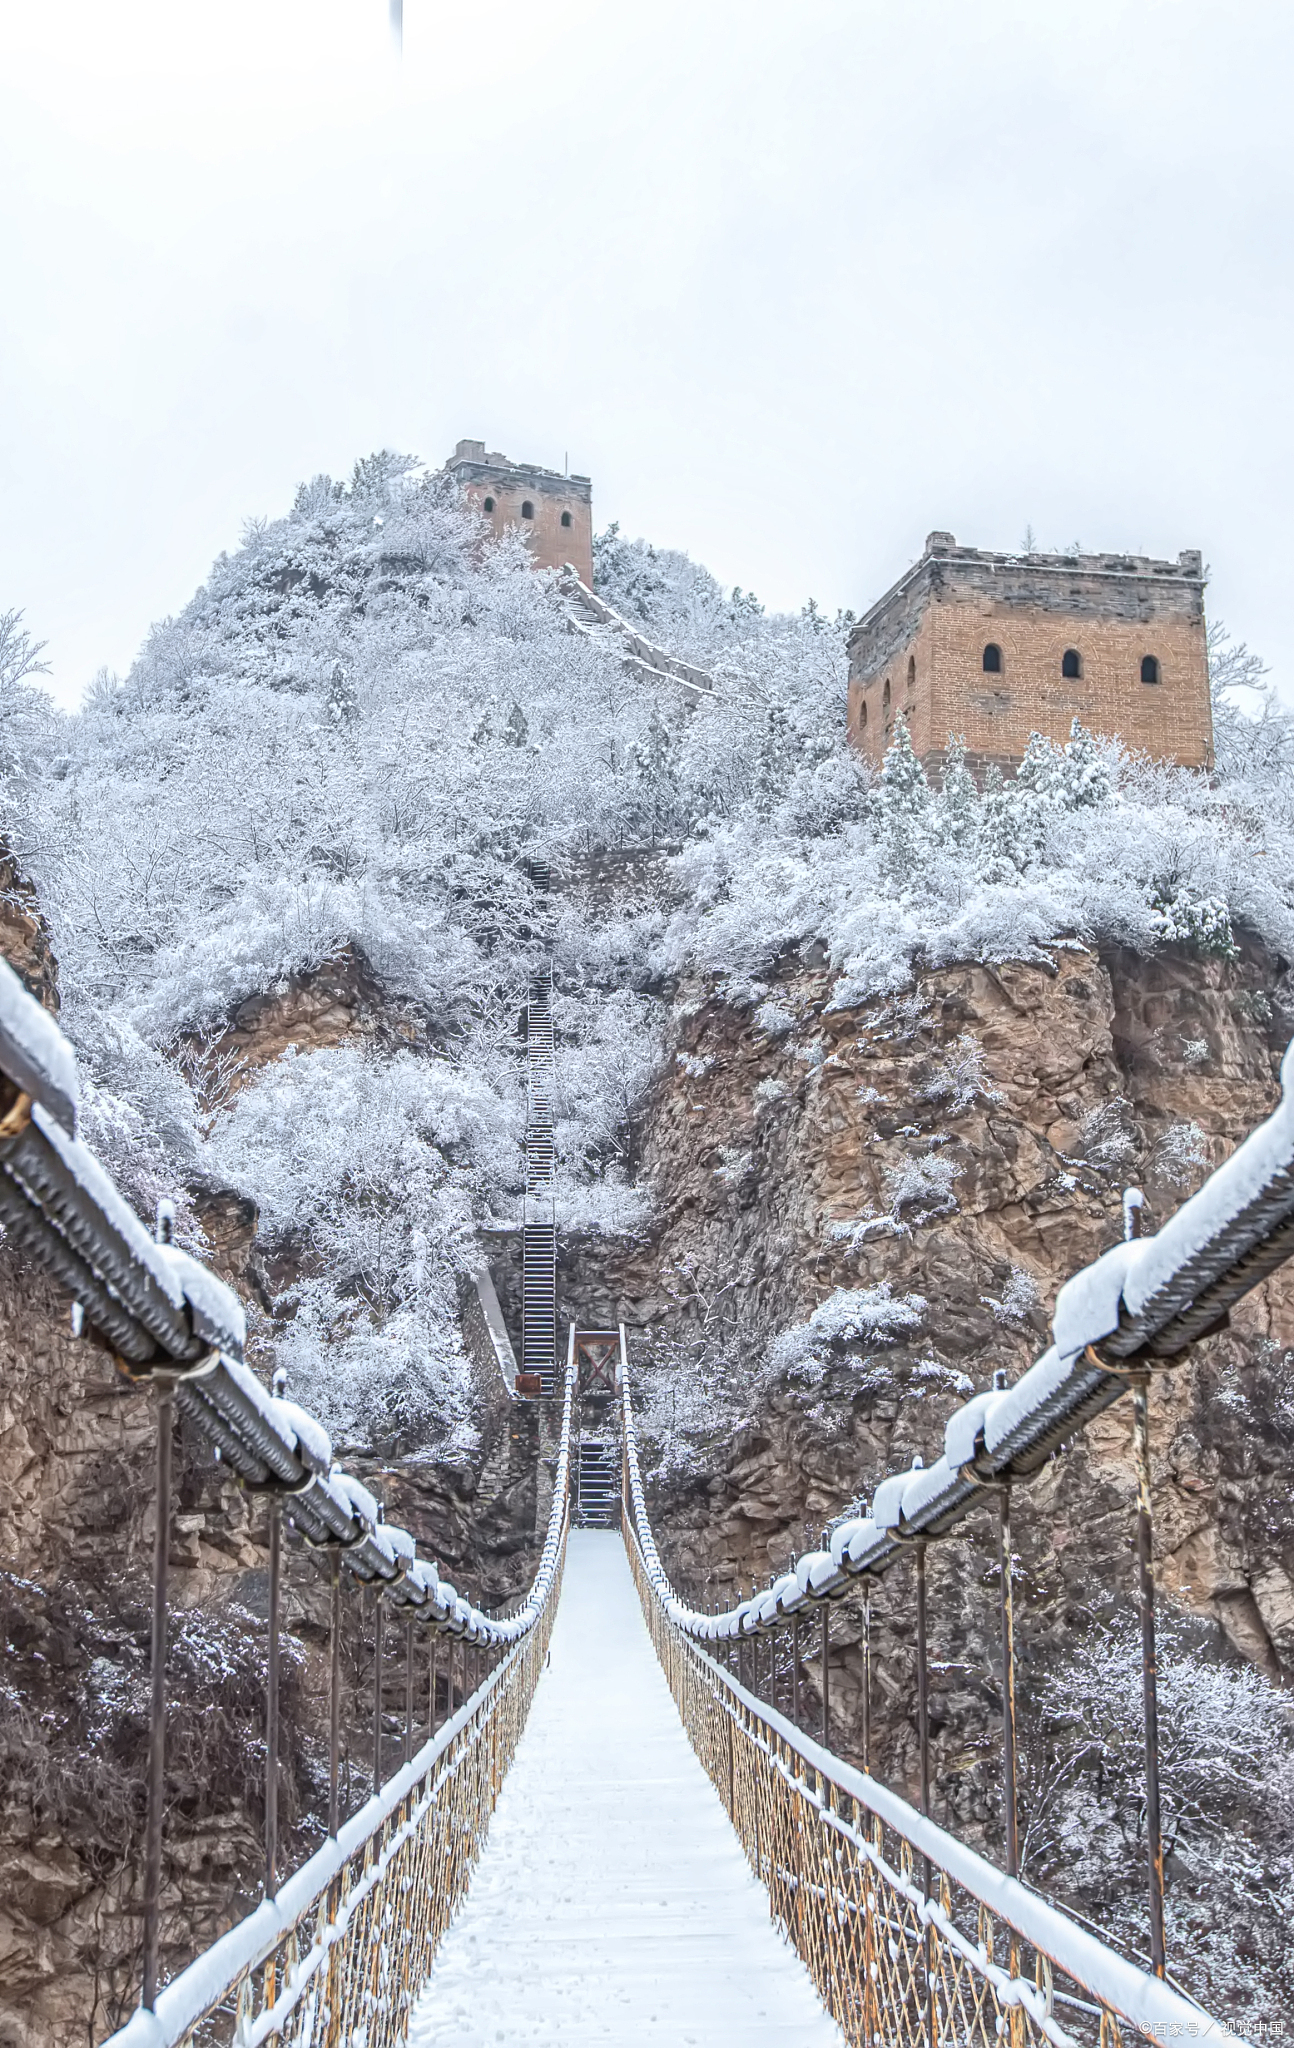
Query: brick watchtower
{"points": [[994, 647], [554, 512]]}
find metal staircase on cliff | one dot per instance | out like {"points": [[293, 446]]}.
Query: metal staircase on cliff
{"points": [[597, 1482], [539, 1222]]}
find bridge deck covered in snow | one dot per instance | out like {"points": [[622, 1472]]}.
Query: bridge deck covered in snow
{"points": [[613, 1902]]}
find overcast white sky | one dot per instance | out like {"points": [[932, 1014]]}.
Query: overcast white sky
{"points": [[793, 283]]}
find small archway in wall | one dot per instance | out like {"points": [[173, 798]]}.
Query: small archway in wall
{"points": [[489, 504], [1150, 668], [912, 671], [885, 695], [527, 509], [862, 716], [1071, 664], [992, 659], [566, 519]]}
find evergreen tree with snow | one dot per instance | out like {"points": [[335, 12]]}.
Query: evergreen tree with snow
{"points": [[957, 810]]}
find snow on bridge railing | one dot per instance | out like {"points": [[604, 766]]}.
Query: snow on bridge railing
{"points": [[173, 1326], [1135, 1309], [168, 1321]]}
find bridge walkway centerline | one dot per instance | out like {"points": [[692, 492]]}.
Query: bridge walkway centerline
{"points": [[613, 1902]]}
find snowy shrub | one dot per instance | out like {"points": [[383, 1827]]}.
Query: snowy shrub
{"points": [[872, 1315], [372, 1170], [1105, 1140], [774, 1019], [735, 1163], [1180, 1153], [954, 1080], [769, 1091], [1226, 1762], [921, 1188], [1195, 1051], [693, 1066], [1019, 1298]]}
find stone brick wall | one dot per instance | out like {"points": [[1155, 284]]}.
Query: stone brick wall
{"points": [[919, 654], [501, 489]]}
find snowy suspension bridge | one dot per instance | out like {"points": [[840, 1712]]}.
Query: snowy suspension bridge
{"points": [[608, 1807]]}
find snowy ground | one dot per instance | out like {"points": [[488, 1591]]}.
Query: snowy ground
{"points": [[613, 1902]]}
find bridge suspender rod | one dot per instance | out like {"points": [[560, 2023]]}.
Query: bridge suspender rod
{"points": [[826, 1674], [157, 1700], [1140, 1383], [377, 1689], [1009, 1798], [795, 1670], [408, 1690], [867, 1674], [272, 1706], [923, 1748], [334, 1690], [1149, 1669]]}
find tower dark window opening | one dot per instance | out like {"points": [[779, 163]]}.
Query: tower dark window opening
{"points": [[1070, 665], [862, 718], [912, 671], [566, 519], [992, 659], [489, 504], [527, 510], [1150, 668], [885, 695]]}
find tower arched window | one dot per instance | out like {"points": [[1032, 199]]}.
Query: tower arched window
{"points": [[1150, 668], [862, 717], [527, 509], [912, 671], [566, 519], [489, 504], [1071, 664], [885, 695], [992, 659]]}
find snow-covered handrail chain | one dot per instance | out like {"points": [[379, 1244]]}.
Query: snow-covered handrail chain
{"points": [[168, 1318], [1139, 1305]]}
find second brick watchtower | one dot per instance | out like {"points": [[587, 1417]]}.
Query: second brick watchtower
{"points": [[990, 648]]}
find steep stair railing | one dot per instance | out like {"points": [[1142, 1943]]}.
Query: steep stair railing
{"points": [[340, 1949], [539, 1221], [1135, 1311]]}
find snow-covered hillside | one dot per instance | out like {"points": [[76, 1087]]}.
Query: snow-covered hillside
{"points": [[356, 736]]}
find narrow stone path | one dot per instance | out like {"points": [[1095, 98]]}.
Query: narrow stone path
{"points": [[612, 1902]]}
